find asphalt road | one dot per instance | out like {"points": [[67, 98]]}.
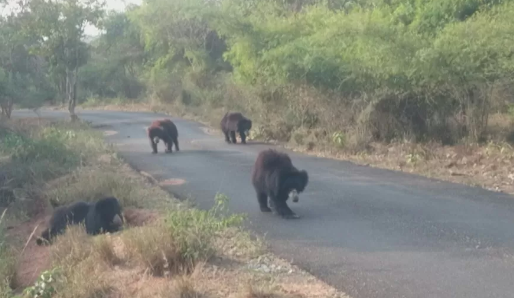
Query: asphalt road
{"points": [[371, 233]]}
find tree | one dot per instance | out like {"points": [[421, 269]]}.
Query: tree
{"points": [[59, 26], [22, 74], [116, 60]]}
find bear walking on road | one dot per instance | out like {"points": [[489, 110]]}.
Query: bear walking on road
{"points": [[275, 177], [165, 130], [235, 122]]}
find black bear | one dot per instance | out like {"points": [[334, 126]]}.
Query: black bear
{"points": [[62, 217], [274, 176], [104, 216], [165, 130], [235, 122], [101, 216]]}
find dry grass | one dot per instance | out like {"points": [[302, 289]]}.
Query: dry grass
{"points": [[185, 287], [110, 179], [258, 292], [90, 271], [153, 248], [84, 263], [125, 265]]}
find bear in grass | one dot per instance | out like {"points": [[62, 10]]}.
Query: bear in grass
{"points": [[101, 216], [275, 177], [63, 216], [234, 122], [165, 130], [104, 216]]}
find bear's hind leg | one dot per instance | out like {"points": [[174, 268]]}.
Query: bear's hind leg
{"points": [[176, 144], [169, 149], [226, 137], [243, 137], [154, 146], [233, 137], [263, 202]]}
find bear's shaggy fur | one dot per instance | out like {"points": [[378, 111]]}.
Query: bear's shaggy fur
{"points": [[63, 216], [99, 217], [275, 177], [235, 122], [104, 216], [165, 130]]}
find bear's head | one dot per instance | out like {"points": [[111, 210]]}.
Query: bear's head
{"points": [[245, 125], [110, 211], [44, 239], [295, 184]]}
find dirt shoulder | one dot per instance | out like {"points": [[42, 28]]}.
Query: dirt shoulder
{"points": [[167, 248]]}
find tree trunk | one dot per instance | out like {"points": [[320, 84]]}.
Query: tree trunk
{"points": [[6, 106], [62, 90], [71, 87]]}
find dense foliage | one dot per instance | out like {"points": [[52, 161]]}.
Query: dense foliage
{"points": [[43, 49], [372, 70]]}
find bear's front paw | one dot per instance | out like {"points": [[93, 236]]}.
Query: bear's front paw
{"points": [[265, 209], [291, 216]]}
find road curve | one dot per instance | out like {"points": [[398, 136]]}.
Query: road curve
{"points": [[371, 233]]}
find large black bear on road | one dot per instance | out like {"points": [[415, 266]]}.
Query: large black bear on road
{"points": [[235, 122], [101, 216], [274, 176], [165, 130]]}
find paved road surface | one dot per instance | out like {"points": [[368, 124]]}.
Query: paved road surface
{"points": [[369, 232]]}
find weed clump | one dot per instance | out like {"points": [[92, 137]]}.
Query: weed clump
{"points": [[182, 239]]}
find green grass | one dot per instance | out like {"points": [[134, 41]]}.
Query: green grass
{"points": [[6, 262]]}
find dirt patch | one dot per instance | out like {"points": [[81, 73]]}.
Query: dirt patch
{"points": [[139, 217], [110, 133], [33, 259], [211, 131], [172, 181]]}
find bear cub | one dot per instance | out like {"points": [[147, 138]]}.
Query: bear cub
{"points": [[233, 123], [164, 130]]}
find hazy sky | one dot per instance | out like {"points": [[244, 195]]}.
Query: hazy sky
{"points": [[118, 5]]}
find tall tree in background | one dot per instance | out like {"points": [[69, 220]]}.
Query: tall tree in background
{"points": [[59, 26], [23, 79], [116, 62]]}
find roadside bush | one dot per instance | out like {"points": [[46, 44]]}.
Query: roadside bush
{"points": [[184, 238], [390, 71]]}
